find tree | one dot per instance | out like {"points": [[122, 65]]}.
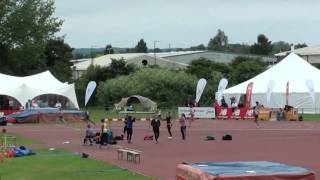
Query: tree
{"points": [[262, 46], [108, 49], [168, 88], [239, 48], [197, 48], [297, 46], [157, 50], [58, 55], [25, 27], [4, 56], [280, 46], [204, 68], [141, 47], [219, 42], [244, 68]]}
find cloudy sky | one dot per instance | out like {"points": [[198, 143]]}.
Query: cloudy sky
{"points": [[185, 23]]}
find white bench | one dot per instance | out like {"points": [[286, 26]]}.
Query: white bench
{"points": [[131, 154]]}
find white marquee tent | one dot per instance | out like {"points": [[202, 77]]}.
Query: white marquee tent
{"points": [[293, 69], [29, 87]]}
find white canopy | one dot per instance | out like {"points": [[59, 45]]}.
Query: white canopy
{"points": [[293, 69], [29, 87]]}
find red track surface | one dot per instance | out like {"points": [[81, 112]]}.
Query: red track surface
{"points": [[292, 143]]}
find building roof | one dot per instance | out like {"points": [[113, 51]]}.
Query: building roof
{"points": [[221, 57], [311, 50], [106, 60], [175, 53]]}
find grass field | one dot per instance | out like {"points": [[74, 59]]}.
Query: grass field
{"points": [[311, 117], [20, 140], [61, 165]]}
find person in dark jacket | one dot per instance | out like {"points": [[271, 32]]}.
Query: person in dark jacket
{"points": [[155, 123], [129, 128], [169, 124]]}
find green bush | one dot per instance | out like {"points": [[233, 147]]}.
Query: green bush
{"points": [[168, 88]]}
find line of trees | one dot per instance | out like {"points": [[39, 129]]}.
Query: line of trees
{"points": [[263, 46]]}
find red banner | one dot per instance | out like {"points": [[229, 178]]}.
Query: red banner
{"points": [[237, 113], [287, 93], [248, 95]]}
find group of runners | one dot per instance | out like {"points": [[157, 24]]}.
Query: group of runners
{"points": [[103, 137]]}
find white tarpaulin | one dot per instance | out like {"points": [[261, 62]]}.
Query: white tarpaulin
{"points": [[29, 87], [293, 69]]}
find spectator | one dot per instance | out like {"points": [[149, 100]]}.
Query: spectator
{"points": [[183, 127], [280, 114], [155, 123], [125, 124], [233, 103], [256, 112], [58, 105], [192, 112], [169, 124], [104, 132], [90, 134], [223, 103], [130, 128]]}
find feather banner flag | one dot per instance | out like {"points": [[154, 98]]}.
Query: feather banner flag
{"points": [[200, 88], [310, 87], [248, 95], [270, 87], [287, 93], [222, 86], [89, 91]]}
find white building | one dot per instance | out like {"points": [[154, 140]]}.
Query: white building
{"points": [[310, 54]]}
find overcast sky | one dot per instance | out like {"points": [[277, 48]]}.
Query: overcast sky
{"points": [[185, 23]]}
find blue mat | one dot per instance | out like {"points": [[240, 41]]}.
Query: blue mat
{"points": [[21, 116], [248, 167]]}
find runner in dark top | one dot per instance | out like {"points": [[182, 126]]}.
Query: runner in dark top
{"points": [[169, 125]]}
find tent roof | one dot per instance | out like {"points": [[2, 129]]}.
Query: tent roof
{"points": [[29, 87], [146, 102], [292, 68]]}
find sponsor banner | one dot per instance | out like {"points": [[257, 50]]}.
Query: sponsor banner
{"points": [[199, 112], [237, 113]]}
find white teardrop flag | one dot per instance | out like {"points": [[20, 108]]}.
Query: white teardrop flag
{"points": [[200, 87], [309, 85], [222, 86], [270, 87], [90, 88]]}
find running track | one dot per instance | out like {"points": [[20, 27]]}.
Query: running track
{"points": [[293, 143]]}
